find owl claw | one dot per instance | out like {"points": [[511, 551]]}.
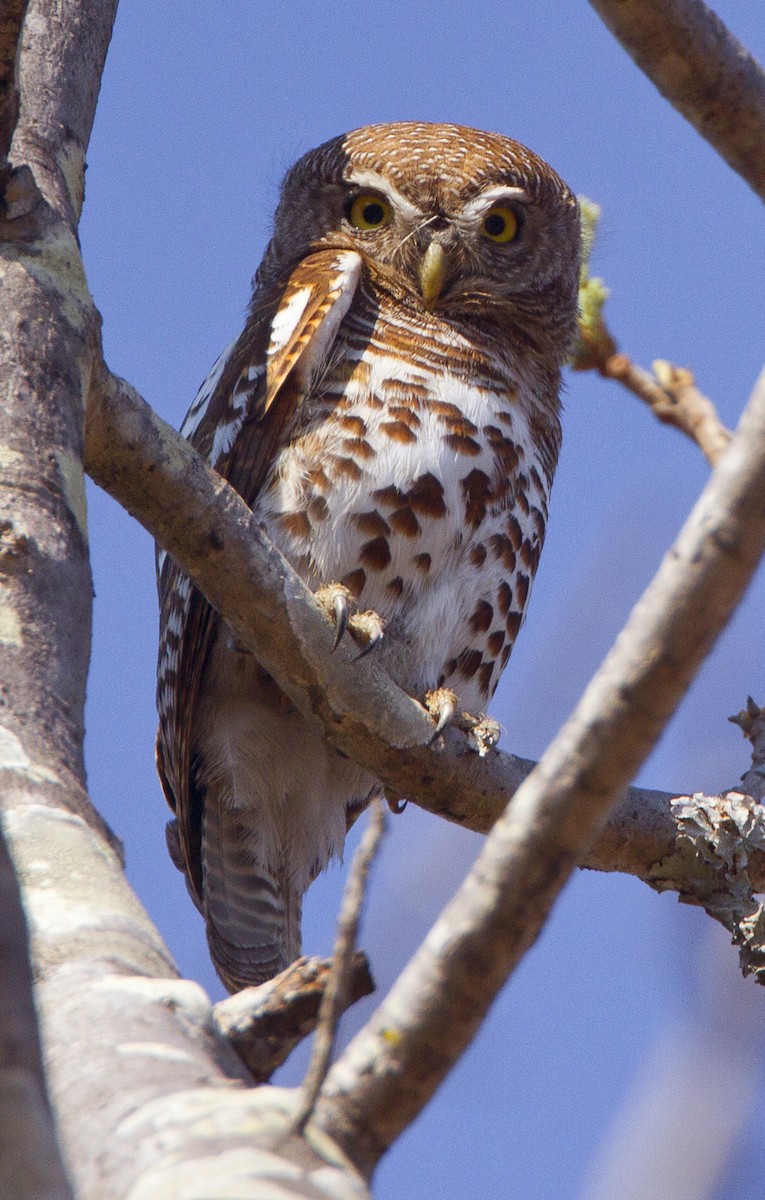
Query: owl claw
{"points": [[367, 629], [342, 612], [483, 732], [442, 705], [338, 604]]}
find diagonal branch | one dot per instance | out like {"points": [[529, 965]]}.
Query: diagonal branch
{"points": [[395, 1064], [146, 466], [705, 73]]}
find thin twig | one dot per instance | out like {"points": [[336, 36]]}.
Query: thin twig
{"points": [[705, 73], [671, 394], [334, 1003]]}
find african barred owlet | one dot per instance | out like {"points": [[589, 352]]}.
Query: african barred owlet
{"points": [[390, 413]]}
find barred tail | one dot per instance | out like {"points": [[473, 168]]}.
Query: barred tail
{"points": [[252, 915]]}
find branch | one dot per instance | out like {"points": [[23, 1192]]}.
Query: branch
{"points": [[394, 1065], [30, 1164], [705, 73], [265, 1023], [145, 465]]}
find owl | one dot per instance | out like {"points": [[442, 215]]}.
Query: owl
{"points": [[390, 414]]}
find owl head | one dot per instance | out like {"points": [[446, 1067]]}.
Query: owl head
{"points": [[466, 225]]}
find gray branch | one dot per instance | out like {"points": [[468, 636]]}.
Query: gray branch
{"points": [[144, 464], [705, 73]]}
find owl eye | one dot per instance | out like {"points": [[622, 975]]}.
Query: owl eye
{"points": [[370, 212], [500, 224]]}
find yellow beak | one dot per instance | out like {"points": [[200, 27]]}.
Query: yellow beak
{"points": [[432, 273]]}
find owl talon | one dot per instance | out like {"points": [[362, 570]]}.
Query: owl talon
{"points": [[367, 630], [342, 612], [338, 604], [442, 705], [483, 732]]}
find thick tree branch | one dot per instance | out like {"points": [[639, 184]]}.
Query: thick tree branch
{"points": [[148, 1096], [157, 476], [30, 1165], [392, 1067], [705, 73]]}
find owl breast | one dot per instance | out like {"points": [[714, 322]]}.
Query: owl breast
{"points": [[419, 477]]}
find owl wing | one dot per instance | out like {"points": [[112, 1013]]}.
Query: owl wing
{"points": [[239, 420]]}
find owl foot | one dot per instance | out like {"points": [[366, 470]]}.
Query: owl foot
{"points": [[339, 604], [367, 630], [483, 732], [442, 705]]}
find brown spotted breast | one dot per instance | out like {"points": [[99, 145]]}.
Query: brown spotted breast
{"points": [[419, 477]]}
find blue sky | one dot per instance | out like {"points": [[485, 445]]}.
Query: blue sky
{"points": [[202, 110]]}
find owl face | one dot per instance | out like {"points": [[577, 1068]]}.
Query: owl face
{"points": [[462, 223]]}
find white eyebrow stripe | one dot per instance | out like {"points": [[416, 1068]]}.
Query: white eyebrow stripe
{"points": [[493, 195], [378, 183]]}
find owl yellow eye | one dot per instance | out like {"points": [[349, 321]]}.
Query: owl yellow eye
{"points": [[500, 224], [370, 212]]}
